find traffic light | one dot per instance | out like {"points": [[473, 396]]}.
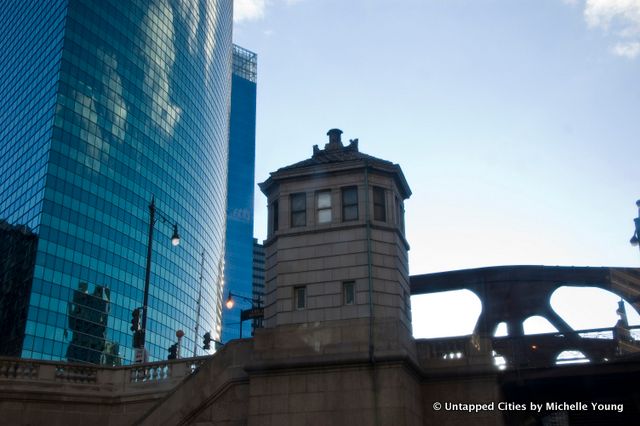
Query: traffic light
{"points": [[138, 338], [135, 319], [173, 351], [206, 339]]}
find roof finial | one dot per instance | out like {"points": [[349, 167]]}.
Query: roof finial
{"points": [[335, 141]]}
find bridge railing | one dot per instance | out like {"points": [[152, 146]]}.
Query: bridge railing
{"points": [[531, 351], [460, 351]]}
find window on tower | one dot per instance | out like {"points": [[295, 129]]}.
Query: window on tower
{"points": [[379, 206], [274, 212], [400, 214], [298, 209], [349, 291], [350, 203], [300, 297], [323, 204]]}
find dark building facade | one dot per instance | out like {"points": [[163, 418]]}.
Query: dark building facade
{"points": [[17, 259], [107, 104], [240, 189], [258, 277]]}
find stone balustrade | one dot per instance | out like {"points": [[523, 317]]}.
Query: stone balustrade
{"points": [[11, 368], [132, 377]]}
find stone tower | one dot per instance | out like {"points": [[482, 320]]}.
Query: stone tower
{"points": [[336, 270]]}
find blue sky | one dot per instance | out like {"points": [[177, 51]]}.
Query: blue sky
{"points": [[516, 123]]}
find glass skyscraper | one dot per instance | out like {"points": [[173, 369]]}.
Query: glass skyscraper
{"points": [[106, 104], [240, 187]]}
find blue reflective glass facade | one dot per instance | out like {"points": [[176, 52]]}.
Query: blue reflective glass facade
{"points": [[240, 186], [113, 102]]}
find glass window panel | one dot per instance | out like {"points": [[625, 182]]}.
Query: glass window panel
{"points": [[350, 203], [324, 216], [379, 208], [324, 199], [298, 209], [350, 195], [349, 292], [400, 214], [298, 202], [275, 216], [324, 206], [350, 213], [298, 219], [300, 297]]}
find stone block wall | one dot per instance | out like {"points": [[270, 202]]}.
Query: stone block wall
{"points": [[349, 395]]}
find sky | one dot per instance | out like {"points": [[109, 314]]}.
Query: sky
{"points": [[515, 122]]}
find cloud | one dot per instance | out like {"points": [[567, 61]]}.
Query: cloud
{"points": [[628, 49], [248, 10], [624, 14], [254, 10], [620, 19]]}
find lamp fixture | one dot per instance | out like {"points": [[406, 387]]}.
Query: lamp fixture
{"points": [[175, 238]]}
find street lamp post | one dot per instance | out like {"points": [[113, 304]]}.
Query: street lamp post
{"points": [[199, 303], [139, 343], [635, 239], [255, 312]]}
